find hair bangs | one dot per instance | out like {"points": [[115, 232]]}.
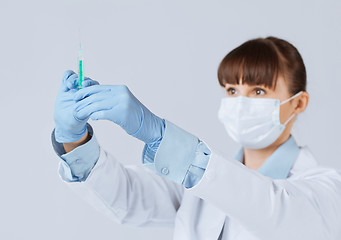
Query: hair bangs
{"points": [[256, 62]]}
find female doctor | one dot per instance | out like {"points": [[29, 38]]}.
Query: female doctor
{"points": [[272, 189]]}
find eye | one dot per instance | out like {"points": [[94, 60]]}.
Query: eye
{"points": [[259, 92], [231, 91]]}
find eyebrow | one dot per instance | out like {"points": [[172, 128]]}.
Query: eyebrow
{"points": [[251, 86]]}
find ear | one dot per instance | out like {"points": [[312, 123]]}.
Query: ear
{"points": [[301, 102]]}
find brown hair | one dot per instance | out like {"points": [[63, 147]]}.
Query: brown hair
{"points": [[260, 61]]}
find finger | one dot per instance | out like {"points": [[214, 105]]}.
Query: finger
{"points": [[86, 111], [85, 92], [109, 99], [66, 75], [88, 100], [89, 82], [99, 115], [72, 91], [111, 113], [87, 78], [114, 89], [72, 81]]}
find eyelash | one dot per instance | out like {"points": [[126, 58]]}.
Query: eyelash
{"points": [[259, 89], [231, 89]]}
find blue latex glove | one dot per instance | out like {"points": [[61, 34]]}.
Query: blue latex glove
{"points": [[68, 127], [117, 104]]}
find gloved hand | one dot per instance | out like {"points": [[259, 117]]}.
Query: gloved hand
{"points": [[117, 104], [68, 127]]}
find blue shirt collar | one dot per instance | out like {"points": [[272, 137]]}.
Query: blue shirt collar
{"points": [[278, 165]]}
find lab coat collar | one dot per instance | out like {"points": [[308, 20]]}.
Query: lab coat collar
{"points": [[278, 165]]}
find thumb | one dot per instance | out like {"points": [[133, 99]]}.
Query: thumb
{"points": [[67, 74]]}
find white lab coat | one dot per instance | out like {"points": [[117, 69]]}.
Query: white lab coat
{"points": [[305, 206]]}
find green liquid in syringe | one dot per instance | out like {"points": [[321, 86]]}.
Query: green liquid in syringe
{"points": [[80, 74]]}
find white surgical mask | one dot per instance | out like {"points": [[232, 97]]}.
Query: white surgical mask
{"points": [[253, 122]]}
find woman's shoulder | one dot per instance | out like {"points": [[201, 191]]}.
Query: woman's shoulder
{"points": [[306, 166]]}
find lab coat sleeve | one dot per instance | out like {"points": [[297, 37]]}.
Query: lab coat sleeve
{"points": [[179, 157], [77, 164], [130, 195], [304, 207]]}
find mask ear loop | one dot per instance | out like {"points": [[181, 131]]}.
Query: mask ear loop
{"points": [[296, 95], [286, 122]]}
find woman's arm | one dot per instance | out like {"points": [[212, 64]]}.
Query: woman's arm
{"points": [[128, 194], [70, 146], [306, 207], [303, 207]]}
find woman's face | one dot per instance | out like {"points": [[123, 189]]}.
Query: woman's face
{"points": [[281, 92]]}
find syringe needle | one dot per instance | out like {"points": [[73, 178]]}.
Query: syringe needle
{"points": [[80, 68]]}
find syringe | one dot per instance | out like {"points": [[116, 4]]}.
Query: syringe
{"points": [[80, 68]]}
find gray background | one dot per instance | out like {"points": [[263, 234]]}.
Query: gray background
{"points": [[167, 53]]}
